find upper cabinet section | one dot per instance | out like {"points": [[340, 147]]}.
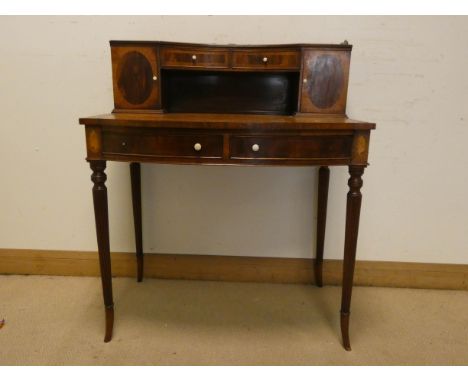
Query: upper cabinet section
{"points": [[148, 77]]}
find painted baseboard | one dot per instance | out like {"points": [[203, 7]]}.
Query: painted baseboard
{"points": [[235, 268]]}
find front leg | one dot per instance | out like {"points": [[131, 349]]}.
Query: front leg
{"points": [[102, 232], [353, 208], [136, 202], [324, 177]]}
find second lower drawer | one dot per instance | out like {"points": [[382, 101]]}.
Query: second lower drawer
{"points": [[290, 147], [163, 145]]}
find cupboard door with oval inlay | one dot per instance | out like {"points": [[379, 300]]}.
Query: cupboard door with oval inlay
{"points": [[136, 81], [324, 83]]}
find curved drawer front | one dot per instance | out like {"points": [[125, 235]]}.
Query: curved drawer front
{"points": [[194, 58], [163, 145], [291, 147], [266, 59]]}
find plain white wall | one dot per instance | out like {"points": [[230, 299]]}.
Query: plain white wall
{"points": [[408, 74]]}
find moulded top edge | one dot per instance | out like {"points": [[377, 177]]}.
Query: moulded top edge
{"points": [[341, 46], [227, 121]]}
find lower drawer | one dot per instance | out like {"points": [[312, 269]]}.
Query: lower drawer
{"points": [[291, 147], [163, 145]]}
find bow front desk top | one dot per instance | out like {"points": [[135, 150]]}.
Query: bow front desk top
{"points": [[229, 105], [231, 121]]}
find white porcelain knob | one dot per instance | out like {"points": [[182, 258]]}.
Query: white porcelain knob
{"points": [[155, 78], [124, 143], [265, 59], [197, 146], [304, 80], [255, 147], [194, 57]]}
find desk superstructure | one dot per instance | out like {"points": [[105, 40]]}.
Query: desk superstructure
{"points": [[229, 105]]}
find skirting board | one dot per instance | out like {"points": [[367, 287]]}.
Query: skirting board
{"points": [[235, 268]]}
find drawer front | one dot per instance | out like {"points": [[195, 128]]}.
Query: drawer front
{"points": [[266, 59], [291, 147], [163, 145], [194, 58]]}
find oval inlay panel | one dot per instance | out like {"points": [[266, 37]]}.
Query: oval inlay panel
{"points": [[135, 78], [325, 81]]}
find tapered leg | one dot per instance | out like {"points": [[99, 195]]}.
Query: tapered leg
{"points": [[136, 201], [102, 232], [353, 208], [324, 177]]}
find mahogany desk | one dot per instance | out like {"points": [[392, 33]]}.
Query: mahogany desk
{"points": [[179, 103]]}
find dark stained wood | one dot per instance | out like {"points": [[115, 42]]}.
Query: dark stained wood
{"points": [[229, 92], [194, 58], [322, 201], [109, 316], [185, 121], [290, 147], [230, 47], [324, 81], [102, 233], [225, 146], [135, 78], [324, 89], [324, 70], [353, 209], [285, 162], [150, 143], [179, 103], [135, 176], [135, 74], [266, 59]]}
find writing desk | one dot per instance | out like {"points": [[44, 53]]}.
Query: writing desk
{"points": [[179, 103]]}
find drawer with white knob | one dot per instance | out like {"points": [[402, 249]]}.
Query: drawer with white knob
{"points": [[295, 147], [156, 144], [193, 58], [266, 59]]}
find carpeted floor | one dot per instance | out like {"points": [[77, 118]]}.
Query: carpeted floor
{"points": [[60, 321]]}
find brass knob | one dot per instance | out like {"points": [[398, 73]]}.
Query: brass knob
{"points": [[124, 143], [194, 58], [155, 78], [197, 146], [265, 59], [255, 147]]}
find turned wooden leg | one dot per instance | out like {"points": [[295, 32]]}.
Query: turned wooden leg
{"points": [[102, 232], [324, 177], [136, 201], [353, 208]]}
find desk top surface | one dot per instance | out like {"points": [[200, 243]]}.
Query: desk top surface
{"points": [[342, 46], [226, 121]]}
